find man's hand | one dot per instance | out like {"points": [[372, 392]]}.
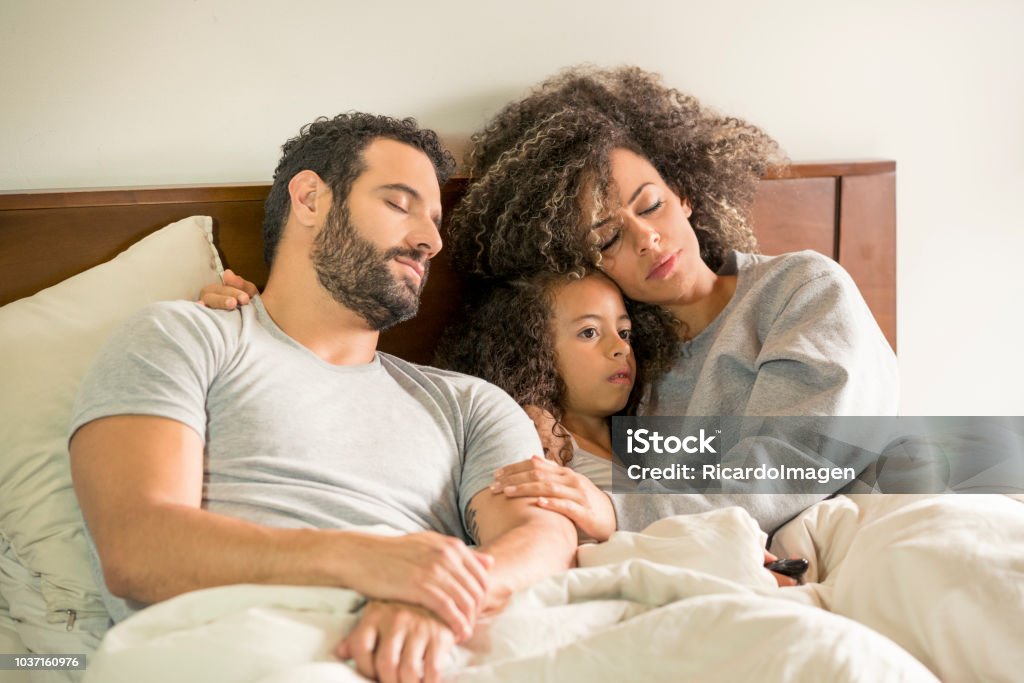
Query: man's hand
{"points": [[398, 643], [429, 569], [560, 489], [236, 291], [155, 541]]}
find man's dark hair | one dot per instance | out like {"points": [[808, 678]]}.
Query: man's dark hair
{"points": [[333, 149]]}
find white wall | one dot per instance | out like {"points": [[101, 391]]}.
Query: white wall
{"points": [[128, 92]]}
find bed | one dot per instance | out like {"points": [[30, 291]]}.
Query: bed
{"points": [[62, 289]]}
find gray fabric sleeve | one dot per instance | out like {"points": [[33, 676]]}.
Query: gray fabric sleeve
{"points": [[498, 433], [159, 362], [825, 355]]}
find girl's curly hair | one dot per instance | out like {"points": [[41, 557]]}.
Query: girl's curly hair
{"points": [[533, 160], [505, 337]]}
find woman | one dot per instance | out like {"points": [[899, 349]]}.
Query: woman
{"points": [[611, 169]]}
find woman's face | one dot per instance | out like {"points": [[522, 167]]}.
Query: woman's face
{"points": [[647, 244], [592, 352]]}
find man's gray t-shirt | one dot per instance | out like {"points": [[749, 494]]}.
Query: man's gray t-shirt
{"points": [[293, 441]]}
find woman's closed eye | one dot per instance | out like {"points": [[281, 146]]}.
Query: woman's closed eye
{"points": [[608, 241], [396, 207], [609, 236], [652, 208]]}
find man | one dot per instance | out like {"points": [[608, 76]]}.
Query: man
{"points": [[212, 447]]}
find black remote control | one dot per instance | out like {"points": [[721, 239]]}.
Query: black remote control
{"points": [[793, 568]]}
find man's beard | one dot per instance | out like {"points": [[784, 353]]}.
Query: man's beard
{"points": [[357, 274]]}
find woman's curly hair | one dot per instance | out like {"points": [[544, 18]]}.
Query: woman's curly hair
{"points": [[532, 161], [505, 336]]}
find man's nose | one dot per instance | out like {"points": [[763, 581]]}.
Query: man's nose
{"points": [[425, 237]]}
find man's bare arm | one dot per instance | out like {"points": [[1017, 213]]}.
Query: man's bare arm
{"points": [[528, 543], [139, 482]]}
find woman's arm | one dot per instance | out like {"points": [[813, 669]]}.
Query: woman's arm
{"points": [[562, 490], [800, 343], [825, 355]]}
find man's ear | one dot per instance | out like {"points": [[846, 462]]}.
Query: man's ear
{"points": [[305, 188]]}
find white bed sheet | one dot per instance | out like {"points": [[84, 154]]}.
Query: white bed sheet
{"points": [[685, 600], [941, 575]]}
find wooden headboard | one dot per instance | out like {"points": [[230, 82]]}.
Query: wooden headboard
{"points": [[845, 210]]}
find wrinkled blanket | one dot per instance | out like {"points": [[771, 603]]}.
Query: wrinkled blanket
{"points": [[901, 588]]}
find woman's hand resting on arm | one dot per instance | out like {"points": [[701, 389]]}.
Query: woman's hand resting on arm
{"points": [[562, 490], [575, 496], [235, 291]]}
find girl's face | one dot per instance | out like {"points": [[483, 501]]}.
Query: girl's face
{"points": [[647, 244], [592, 352]]}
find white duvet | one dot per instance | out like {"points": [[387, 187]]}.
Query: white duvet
{"points": [[901, 589]]}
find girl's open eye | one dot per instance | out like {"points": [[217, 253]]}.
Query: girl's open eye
{"points": [[627, 335], [588, 333]]}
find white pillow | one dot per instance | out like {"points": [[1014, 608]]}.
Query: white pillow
{"points": [[47, 342]]}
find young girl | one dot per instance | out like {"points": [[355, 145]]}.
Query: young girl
{"points": [[581, 355]]}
